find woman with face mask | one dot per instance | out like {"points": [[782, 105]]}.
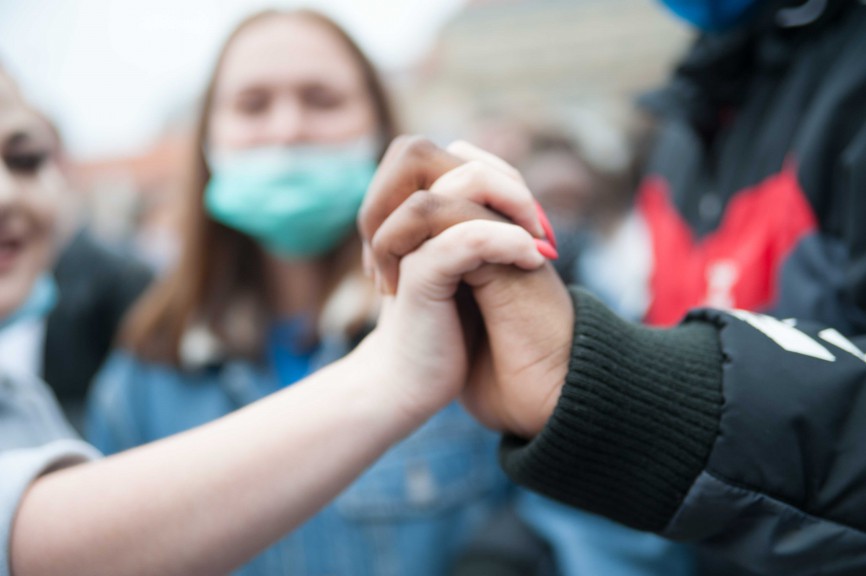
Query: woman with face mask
{"points": [[206, 501], [268, 290]]}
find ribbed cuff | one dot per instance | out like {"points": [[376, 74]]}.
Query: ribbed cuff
{"points": [[635, 423]]}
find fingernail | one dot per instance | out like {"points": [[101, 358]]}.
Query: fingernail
{"points": [[546, 249], [545, 225]]}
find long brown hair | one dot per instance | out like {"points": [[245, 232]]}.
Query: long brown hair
{"points": [[220, 267]]}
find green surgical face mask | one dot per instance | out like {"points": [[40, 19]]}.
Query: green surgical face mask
{"points": [[297, 202]]}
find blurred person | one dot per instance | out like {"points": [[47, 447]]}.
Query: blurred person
{"points": [[205, 501], [736, 429], [586, 200], [503, 135], [584, 175], [269, 289], [96, 286], [90, 289]]}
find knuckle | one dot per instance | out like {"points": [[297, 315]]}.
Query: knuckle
{"points": [[380, 245], [400, 142], [513, 172], [475, 173], [525, 199], [394, 150], [422, 204], [416, 146], [458, 144], [470, 237]]}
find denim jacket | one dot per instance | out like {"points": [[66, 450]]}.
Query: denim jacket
{"points": [[406, 515]]}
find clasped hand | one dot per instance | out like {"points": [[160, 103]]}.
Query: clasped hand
{"points": [[472, 307]]}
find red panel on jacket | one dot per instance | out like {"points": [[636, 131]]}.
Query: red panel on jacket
{"points": [[737, 265]]}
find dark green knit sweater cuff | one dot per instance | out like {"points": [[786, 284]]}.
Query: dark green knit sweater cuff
{"points": [[635, 423]]}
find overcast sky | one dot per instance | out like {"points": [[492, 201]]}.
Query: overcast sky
{"points": [[110, 72]]}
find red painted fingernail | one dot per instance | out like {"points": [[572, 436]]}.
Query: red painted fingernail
{"points": [[545, 224], [546, 249]]}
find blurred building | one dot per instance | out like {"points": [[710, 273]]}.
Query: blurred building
{"points": [[135, 201], [533, 56]]}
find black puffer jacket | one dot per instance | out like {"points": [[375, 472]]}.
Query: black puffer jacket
{"points": [[738, 430]]}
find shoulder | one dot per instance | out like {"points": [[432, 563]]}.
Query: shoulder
{"points": [[30, 412]]}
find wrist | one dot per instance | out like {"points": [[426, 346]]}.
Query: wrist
{"points": [[531, 418], [373, 378], [532, 414], [638, 416]]}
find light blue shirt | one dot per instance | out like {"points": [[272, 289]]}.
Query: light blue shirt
{"points": [[34, 438]]}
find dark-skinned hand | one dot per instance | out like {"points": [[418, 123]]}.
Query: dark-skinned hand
{"points": [[524, 320]]}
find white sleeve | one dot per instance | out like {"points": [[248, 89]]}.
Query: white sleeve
{"points": [[19, 468]]}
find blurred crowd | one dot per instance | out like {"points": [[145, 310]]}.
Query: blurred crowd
{"points": [[187, 285]]}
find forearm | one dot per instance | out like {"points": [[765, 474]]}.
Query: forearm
{"points": [[205, 501]]}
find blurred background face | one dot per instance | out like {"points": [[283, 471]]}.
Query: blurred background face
{"points": [[30, 187], [287, 81], [563, 185]]}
